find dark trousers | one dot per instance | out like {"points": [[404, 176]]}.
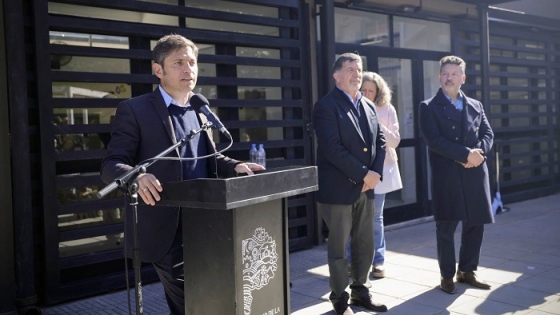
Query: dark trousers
{"points": [[344, 222], [171, 274], [469, 253]]}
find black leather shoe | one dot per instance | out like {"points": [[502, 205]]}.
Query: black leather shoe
{"points": [[469, 277], [367, 303], [342, 308], [447, 285]]}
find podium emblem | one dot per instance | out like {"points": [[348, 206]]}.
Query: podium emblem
{"points": [[260, 262]]}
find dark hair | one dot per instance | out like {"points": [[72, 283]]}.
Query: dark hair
{"points": [[169, 44], [343, 58], [452, 60]]}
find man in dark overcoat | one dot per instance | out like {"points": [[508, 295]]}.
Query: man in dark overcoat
{"points": [[459, 138]]}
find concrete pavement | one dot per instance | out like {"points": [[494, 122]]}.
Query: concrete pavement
{"points": [[520, 258]]}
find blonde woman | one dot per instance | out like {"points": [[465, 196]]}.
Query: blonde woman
{"points": [[376, 89]]}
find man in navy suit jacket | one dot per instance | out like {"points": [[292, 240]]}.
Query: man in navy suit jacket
{"points": [[459, 137], [145, 126], [350, 156]]}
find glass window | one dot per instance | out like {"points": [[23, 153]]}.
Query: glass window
{"points": [[88, 219], [221, 26], [521, 82], [421, 34], [90, 40], [531, 56], [237, 8], [364, 28], [64, 119], [407, 168], [531, 44], [516, 69], [89, 64], [112, 14], [431, 78], [268, 53], [398, 74], [258, 72], [233, 7], [506, 41]]}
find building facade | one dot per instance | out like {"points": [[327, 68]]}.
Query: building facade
{"points": [[68, 63]]}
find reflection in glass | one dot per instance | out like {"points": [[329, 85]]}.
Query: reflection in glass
{"points": [[268, 53], [90, 90], [407, 165], [364, 28], [88, 219], [398, 74], [89, 64], [221, 26], [64, 119], [431, 78], [90, 40], [111, 14], [258, 72], [206, 69], [421, 34], [259, 92], [233, 7], [90, 245]]}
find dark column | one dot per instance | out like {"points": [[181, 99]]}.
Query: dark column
{"points": [[140, 66], [485, 81], [484, 56], [326, 82], [8, 282], [21, 267], [228, 92]]}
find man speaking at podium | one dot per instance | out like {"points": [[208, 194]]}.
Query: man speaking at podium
{"points": [[145, 126]]}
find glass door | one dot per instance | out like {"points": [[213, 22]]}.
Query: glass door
{"points": [[398, 74], [412, 79]]}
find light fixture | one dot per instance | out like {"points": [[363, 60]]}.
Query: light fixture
{"points": [[410, 8]]}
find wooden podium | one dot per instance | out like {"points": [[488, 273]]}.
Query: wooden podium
{"points": [[235, 240]]}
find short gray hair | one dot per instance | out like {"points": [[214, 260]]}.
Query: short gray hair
{"points": [[452, 60]]}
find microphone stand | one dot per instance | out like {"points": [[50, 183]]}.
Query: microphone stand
{"points": [[128, 181]]}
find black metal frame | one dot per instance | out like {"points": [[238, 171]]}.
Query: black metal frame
{"points": [[541, 159], [7, 266], [471, 50], [294, 149], [30, 102]]}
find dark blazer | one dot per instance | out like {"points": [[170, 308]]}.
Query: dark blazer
{"points": [[458, 193], [142, 129], [343, 156]]}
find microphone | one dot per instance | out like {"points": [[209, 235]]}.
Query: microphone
{"points": [[200, 103]]}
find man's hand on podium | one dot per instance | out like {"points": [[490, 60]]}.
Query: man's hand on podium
{"points": [[149, 188], [248, 168]]}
